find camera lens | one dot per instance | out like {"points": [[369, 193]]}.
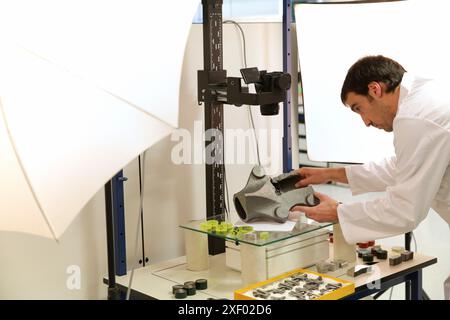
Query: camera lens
{"points": [[284, 81], [270, 109]]}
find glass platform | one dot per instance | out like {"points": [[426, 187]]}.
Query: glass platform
{"points": [[226, 229]]}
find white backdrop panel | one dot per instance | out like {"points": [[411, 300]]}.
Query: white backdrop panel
{"points": [[331, 37]]}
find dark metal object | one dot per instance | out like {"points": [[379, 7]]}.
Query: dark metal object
{"points": [[362, 252], [381, 254], [407, 255], [367, 257], [352, 272], [395, 260], [263, 198], [258, 293]]}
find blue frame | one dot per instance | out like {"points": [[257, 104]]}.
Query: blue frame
{"points": [[414, 278], [287, 68], [120, 251]]}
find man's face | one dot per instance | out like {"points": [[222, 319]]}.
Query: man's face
{"points": [[373, 112]]}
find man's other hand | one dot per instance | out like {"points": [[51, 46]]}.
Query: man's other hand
{"points": [[326, 211]]}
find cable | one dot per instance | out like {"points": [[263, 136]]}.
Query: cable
{"points": [[244, 61], [254, 135], [227, 204], [244, 56], [237, 25], [141, 208], [415, 242]]}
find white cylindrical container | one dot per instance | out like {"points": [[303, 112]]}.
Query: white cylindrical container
{"points": [[253, 263], [342, 250], [196, 250]]}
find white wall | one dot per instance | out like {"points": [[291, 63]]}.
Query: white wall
{"points": [[32, 267]]}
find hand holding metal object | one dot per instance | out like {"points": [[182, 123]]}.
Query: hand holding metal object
{"points": [[265, 198]]}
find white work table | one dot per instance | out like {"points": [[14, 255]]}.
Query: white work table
{"points": [[156, 281]]}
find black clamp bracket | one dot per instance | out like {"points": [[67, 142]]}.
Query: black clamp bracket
{"points": [[270, 87]]}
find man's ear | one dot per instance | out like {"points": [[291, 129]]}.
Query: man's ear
{"points": [[375, 90]]}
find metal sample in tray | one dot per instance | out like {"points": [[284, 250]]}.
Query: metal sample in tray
{"points": [[299, 284]]}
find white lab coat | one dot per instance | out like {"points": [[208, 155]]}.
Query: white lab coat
{"points": [[416, 178]]}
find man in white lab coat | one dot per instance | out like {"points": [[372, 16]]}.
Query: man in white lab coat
{"points": [[416, 179]]}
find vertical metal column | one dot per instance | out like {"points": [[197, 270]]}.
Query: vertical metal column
{"points": [[119, 224], [415, 281], [113, 289], [287, 68], [213, 60], [408, 283]]}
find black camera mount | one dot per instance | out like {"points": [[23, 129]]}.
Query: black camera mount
{"points": [[270, 87]]}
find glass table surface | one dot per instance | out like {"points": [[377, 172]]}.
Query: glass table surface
{"points": [[238, 234]]}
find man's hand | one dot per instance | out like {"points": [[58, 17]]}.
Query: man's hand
{"points": [[320, 175], [326, 211], [312, 176]]}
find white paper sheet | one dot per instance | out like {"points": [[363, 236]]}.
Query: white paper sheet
{"points": [[268, 226]]}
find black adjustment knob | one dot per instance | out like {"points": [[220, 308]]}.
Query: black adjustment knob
{"points": [[177, 286], [190, 289], [180, 293], [201, 284]]}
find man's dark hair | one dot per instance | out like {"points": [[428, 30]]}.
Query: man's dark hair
{"points": [[368, 69]]}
